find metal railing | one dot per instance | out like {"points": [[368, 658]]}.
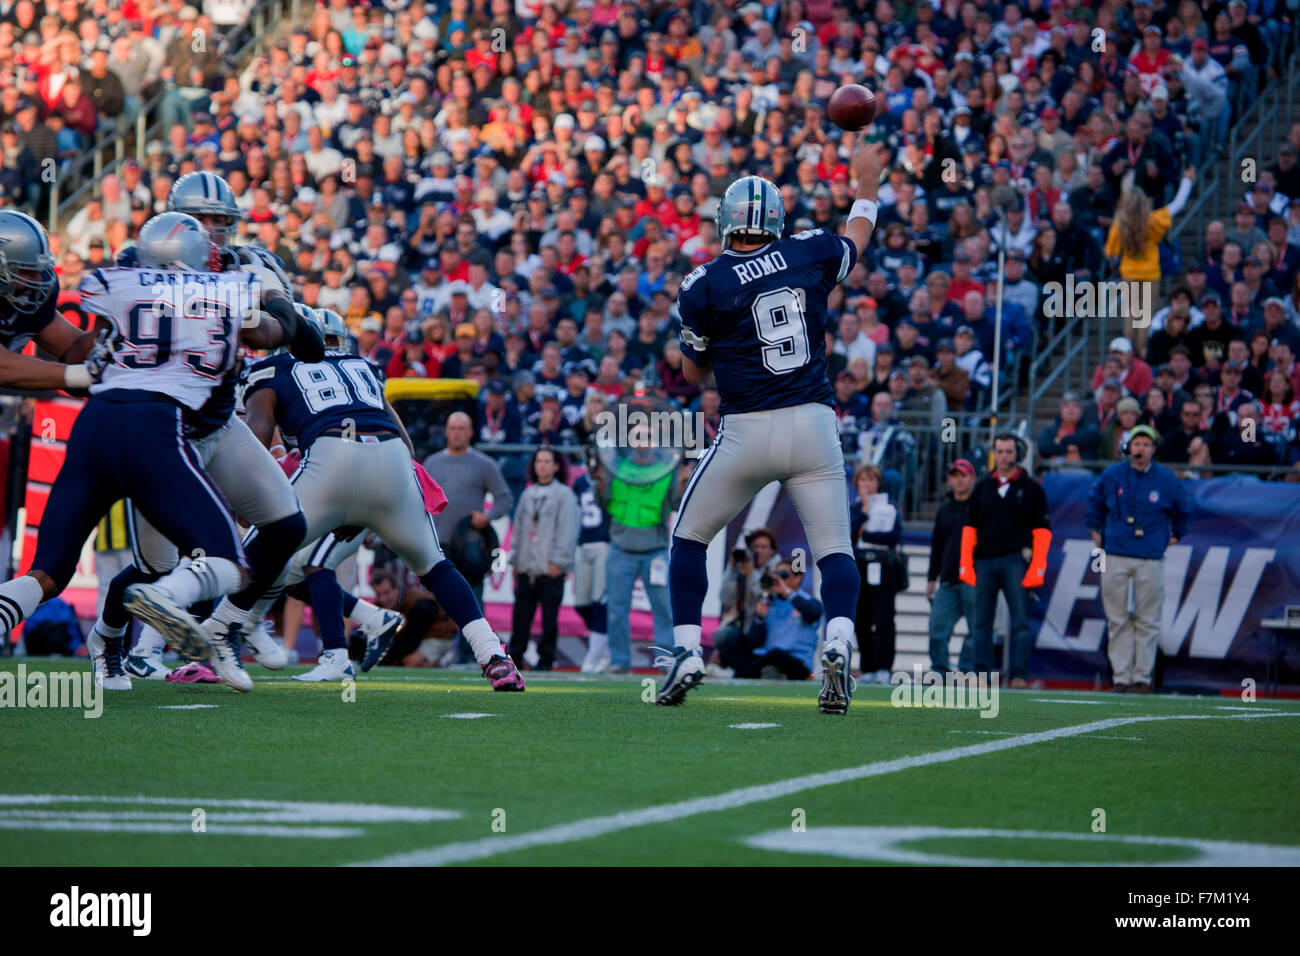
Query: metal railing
{"points": [[109, 151], [1182, 470]]}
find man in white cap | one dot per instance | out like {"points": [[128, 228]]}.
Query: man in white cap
{"points": [[1136, 375]]}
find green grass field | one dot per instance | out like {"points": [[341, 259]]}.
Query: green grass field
{"points": [[580, 771]]}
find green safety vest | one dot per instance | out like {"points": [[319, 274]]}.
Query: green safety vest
{"points": [[638, 506]]}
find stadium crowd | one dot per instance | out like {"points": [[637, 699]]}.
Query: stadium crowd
{"points": [[511, 191]]}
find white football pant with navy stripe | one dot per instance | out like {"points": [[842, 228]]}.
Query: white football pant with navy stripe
{"points": [[797, 446]]}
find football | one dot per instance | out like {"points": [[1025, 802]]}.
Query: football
{"points": [[852, 107]]}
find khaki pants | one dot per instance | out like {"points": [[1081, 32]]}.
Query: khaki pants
{"points": [[1133, 634]]}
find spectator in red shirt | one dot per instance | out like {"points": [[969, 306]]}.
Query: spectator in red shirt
{"points": [[961, 280], [655, 205], [1151, 60], [414, 359], [1136, 374]]}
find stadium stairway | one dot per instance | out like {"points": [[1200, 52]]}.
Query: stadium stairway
{"points": [[912, 616]]}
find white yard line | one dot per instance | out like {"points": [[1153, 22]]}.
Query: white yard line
{"points": [[672, 812]]}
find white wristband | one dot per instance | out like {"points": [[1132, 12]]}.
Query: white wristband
{"points": [[864, 209], [77, 376]]}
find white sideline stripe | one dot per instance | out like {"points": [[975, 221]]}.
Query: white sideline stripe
{"points": [[468, 716], [672, 812], [752, 726], [188, 707]]}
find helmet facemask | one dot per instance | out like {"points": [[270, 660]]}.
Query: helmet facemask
{"points": [[25, 285]]}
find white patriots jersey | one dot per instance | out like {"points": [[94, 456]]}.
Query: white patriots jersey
{"points": [[178, 331]]}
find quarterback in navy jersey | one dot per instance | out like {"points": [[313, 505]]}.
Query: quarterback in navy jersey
{"points": [[756, 317]]}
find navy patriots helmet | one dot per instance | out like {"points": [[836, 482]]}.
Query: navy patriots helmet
{"points": [[752, 208]]}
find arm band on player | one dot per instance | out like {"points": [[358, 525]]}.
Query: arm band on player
{"points": [[77, 376], [283, 451], [864, 209]]}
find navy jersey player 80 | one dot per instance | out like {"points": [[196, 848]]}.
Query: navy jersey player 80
{"points": [[342, 392], [761, 318]]}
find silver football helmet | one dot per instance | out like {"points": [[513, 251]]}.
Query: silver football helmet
{"points": [[26, 265], [209, 199], [334, 329], [175, 241], [751, 207]]}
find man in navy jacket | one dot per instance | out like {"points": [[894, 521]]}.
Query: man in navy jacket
{"points": [[1137, 508]]}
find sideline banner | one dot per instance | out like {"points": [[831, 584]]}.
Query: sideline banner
{"points": [[1239, 564]]}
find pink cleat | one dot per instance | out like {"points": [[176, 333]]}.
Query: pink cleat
{"points": [[503, 674], [193, 673]]}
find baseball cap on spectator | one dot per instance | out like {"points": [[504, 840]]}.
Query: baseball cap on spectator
{"points": [[1050, 111], [564, 121], [945, 345], [1164, 368], [965, 330], [1114, 383], [898, 373], [1251, 261], [1017, 254], [961, 467], [1232, 365], [1209, 295], [961, 255], [1121, 344], [413, 336], [1160, 93], [844, 374], [371, 324], [1128, 404], [465, 331], [1274, 300], [496, 387], [1200, 44], [594, 144]]}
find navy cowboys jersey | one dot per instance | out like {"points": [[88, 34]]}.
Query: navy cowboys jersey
{"points": [[593, 523], [761, 317], [344, 391], [17, 328]]}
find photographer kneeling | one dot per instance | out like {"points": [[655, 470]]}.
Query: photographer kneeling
{"points": [[782, 638]]}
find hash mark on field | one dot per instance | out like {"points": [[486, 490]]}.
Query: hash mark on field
{"points": [[1253, 710], [675, 812], [728, 698], [468, 716], [1069, 700], [188, 707], [752, 726]]}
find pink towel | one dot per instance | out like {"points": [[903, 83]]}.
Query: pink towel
{"points": [[434, 498]]}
